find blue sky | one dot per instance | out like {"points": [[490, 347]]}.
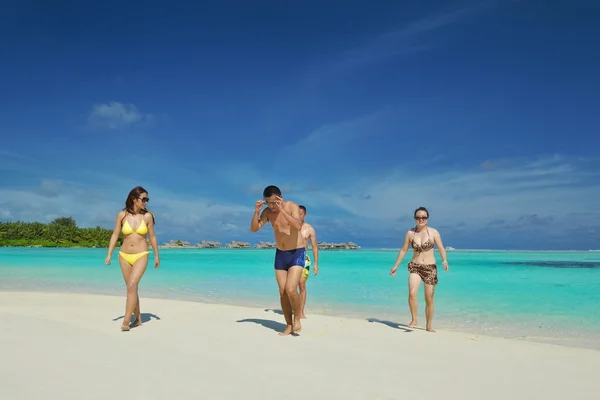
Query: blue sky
{"points": [[486, 112]]}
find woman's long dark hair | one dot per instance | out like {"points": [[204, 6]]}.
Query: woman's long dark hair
{"points": [[135, 194]]}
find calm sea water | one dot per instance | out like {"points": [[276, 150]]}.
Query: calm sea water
{"points": [[547, 296]]}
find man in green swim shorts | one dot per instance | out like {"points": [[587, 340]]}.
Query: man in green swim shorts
{"points": [[308, 233]]}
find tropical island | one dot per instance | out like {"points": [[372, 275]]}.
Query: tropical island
{"points": [[61, 232], [64, 232]]}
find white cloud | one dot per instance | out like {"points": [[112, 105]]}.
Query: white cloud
{"points": [[115, 115], [199, 217], [11, 154], [50, 187], [549, 198], [5, 214], [549, 190], [335, 149], [11, 162], [178, 215], [317, 76], [64, 199], [332, 136], [402, 41]]}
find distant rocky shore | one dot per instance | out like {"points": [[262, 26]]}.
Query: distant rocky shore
{"points": [[208, 244]]}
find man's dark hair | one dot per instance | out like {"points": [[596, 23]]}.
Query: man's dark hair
{"points": [[270, 191], [303, 208]]}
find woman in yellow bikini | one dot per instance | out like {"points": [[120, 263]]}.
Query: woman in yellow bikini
{"points": [[422, 267], [135, 222]]}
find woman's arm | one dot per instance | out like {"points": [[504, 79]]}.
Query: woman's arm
{"points": [[152, 236], [115, 236], [437, 239], [402, 252]]}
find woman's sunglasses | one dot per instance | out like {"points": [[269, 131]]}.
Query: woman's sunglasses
{"points": [[145, 199]]}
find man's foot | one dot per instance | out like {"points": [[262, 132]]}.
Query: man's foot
{"points": [[413, 323], [302, 316], [297, 326], [429, 329]]}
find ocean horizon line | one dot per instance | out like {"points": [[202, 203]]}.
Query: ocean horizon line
{"points": [[363, 248]]}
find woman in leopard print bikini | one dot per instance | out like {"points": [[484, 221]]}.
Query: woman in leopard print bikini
{"points": [[422, 267]]}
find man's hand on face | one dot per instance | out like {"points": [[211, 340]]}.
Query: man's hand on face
{"points": [[259, 205], [278, 203]]}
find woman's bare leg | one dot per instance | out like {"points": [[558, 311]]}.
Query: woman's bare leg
{"points": [[414, 281], [429, 292], [126, 269], [133, 275]]}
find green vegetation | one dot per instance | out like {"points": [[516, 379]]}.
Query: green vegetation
{"points": [[62, 232]]}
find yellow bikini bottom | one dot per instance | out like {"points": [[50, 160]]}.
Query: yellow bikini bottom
{"points": [[132, 258]]}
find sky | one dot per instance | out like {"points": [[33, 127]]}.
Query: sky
{"points": [[485, 112]]}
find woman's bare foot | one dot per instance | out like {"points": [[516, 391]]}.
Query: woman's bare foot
{"points": [[429, 329], [303, 316], [286, 331], [124, 328], [137, 322], [413, 323]]}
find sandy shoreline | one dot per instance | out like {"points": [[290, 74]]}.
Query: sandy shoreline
{"points": [[578, 337], [69, 346]]}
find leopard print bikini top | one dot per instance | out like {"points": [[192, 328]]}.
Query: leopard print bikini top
{"points": [[427, 245]]}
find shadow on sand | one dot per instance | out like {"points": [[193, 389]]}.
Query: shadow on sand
{"points": [[273, 310], [269, 324], [146, 317], [391, 324]]}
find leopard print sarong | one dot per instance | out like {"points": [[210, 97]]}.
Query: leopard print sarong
{"points": [[427, 272]]}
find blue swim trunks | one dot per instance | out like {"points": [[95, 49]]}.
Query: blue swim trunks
{"points": [[284, 259]]}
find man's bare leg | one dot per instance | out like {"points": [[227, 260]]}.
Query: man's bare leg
{"points": [[291, 287], [429, 292], [414, 281], [282, 277], [302, 296]]}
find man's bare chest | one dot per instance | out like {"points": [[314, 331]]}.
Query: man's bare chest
{"points": [[305, 232], [280, 224]]}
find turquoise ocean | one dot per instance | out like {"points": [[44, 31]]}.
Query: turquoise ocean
{"points": [[539, 295]]}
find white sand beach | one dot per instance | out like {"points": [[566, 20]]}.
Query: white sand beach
{"points": [[69, 346]]}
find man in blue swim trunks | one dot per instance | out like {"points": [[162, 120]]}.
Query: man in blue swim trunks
{"points": [[284, 216], [308, 233]]}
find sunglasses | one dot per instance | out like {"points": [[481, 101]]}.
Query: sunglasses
{"points": [[421, 218], [145, 199]]}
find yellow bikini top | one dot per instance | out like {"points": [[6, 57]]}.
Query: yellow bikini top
{"points": [[142, 229]]}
